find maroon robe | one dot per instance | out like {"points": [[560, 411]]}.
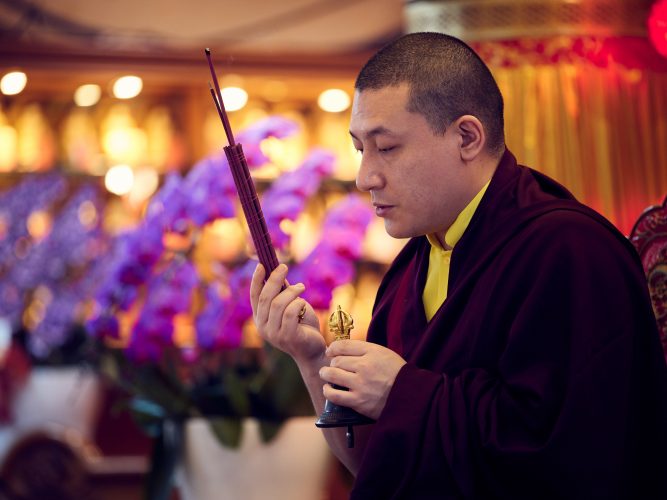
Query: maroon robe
{"points": [[541, 375]]}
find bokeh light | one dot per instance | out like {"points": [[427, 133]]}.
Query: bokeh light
{"points": [[87, 95], [334, 100], [127, 87], [13, 82], [119, 179]]}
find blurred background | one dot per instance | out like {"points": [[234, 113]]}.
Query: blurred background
{"points": [[121, 327]]}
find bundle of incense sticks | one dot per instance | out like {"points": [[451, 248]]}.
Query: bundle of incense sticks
{"points": [[244, 183]]}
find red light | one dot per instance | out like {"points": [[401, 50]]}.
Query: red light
{"points": [[657, 26]]}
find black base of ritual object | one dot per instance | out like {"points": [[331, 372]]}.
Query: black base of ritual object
{"points": [[341, 416]]}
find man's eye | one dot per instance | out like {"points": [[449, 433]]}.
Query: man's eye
{"points": [[386, 150]]}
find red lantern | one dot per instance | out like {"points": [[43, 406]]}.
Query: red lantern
{"points": [[657, 26]]}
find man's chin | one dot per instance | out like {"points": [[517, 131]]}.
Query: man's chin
{"points": [[398, 232]]}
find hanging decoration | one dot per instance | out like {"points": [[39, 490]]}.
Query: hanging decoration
{"points": [[657, 26]]}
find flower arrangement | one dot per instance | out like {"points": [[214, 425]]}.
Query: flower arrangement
{"points": [[51, 241], [174, 334]]}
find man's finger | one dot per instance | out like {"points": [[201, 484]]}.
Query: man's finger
{"points": [[256, 286], [282, 309], [337, 376], [339, 397], [347, 348], [272, 286], [349, 363], [293, 312]]}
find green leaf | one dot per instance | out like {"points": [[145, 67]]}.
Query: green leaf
{"points": [[284, 388], [269, 429], [227, 430], [238, 395], [108, 366]]}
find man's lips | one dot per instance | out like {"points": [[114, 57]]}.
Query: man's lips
{"points": [[382, 210]]}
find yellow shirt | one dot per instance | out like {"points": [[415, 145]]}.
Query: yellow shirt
{"points": [[437, 278]]}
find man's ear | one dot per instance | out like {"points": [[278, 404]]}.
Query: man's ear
{"points": [[471, 135]]}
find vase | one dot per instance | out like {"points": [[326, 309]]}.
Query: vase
{"points": [[293, 466], [60, 401]]}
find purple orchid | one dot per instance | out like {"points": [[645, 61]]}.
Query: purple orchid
{"points": [[211, 191], [168, 208], [209, 324], [331, 263], [103, 326], [288, 195], [251, 137]]}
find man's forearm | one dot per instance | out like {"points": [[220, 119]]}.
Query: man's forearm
{"points": [[350, 457]]}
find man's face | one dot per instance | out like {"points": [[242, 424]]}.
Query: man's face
{"points": [[416, 179]]}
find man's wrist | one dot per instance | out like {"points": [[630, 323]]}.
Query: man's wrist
{"points": [[310, 367]]}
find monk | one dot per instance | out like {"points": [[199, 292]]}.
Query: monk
{"points": [[513, 352]]}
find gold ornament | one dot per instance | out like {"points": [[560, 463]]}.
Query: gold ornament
{"points": [[340, 324]]}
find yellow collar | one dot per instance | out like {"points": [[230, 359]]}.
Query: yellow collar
{"points": [[458, 227]]}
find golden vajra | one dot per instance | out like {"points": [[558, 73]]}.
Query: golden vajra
{"points": [[340, 324]]}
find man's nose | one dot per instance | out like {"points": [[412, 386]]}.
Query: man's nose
{"points": [[368, 177]]}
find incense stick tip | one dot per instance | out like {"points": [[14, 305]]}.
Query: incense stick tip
{"points": [[207, 51]]}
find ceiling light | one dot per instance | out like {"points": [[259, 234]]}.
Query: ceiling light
{"points": [[234, 98], [127, 87], [333, 100], [87, 95], [13, 83]]}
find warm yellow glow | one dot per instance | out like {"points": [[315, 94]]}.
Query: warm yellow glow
{"points": [[125, 144], [276, 151], [33, 315], [274, 90], [287, 226], [334, 100], [87, 95], [117, 142], [160, 134], [80, 142], [146, 181], [119, 179], [127, 87], [234, 98], [8, 148], [305, 235], [13, 83], [36, 310], [184, 331], [36, 142], [122, 140], [39, 224], [224, 239], [378, 246]]}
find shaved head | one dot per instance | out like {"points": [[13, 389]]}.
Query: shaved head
{"points": [[447, 80]]}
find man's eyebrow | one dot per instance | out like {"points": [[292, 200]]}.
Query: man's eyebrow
{"points": [[375, 131]]}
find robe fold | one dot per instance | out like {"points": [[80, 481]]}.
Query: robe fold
{"points": [[541, 375]]}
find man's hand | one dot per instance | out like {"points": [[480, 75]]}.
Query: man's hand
{"points": [[367, 370], [276, 315]]}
